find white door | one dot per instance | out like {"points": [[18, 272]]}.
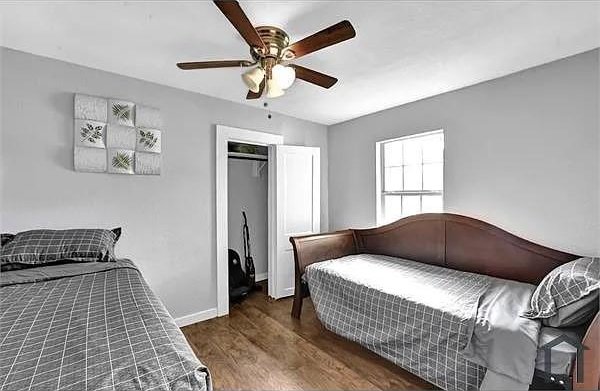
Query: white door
{"points": [[294, 209]]}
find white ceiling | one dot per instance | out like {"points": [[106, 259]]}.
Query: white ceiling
{"points": [[403, 51]]}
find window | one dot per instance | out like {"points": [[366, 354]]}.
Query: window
{"points": [[411, 176]]}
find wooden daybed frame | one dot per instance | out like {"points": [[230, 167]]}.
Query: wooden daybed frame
{"points": [[451, 241]]}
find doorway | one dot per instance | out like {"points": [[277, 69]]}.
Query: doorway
{"points": [[226, 135], [292, 174]]}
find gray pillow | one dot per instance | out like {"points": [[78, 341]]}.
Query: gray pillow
{"points": [[576, 313], [564, 285], [43, 246]]}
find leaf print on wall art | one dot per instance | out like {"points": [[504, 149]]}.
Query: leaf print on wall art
{"points": [[148, 140], [88, 133], [120, 161], [121, 112], [91, 133]]}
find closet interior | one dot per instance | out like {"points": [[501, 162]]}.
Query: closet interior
{"points": [[247, 210]]}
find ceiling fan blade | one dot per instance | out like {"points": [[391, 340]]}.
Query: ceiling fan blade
{"points": [[256, 95], [314, 77], [330, 36], [214, 64], [239, 20]]}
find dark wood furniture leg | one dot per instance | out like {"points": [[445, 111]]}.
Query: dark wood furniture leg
{"points": [[300, 292]]}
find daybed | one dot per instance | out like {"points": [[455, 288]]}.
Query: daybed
{"points": [[441, 295]]}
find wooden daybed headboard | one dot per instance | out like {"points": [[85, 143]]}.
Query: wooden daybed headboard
{"points": [[463, 243], [444, 239]]}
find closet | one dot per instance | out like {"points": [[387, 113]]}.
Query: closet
{"points": [[247, 188], [278, 186]]}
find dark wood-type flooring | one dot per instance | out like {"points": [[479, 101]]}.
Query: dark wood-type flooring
{"points": [[259, 346]]}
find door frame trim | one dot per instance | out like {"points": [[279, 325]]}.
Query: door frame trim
{"points": [[225, 134]]}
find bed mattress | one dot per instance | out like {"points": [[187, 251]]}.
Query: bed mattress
{"points": [[455, 329], [92, 326], [416, 315]]}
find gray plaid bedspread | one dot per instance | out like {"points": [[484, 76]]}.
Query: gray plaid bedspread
{"points": [[416, 315], [90, 327]]}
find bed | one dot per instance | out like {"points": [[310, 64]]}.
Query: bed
{"points": [[440, 295], [90, 326]]}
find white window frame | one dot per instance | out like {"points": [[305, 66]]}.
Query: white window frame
{"points": [[380, 175]]}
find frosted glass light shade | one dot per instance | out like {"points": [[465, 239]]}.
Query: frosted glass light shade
{"points": [[284, 76], [273, 89], [253, 78]]}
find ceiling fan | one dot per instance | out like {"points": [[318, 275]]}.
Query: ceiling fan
{"points": [[271, 52]]}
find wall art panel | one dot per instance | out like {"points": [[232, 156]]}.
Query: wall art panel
{"points": [[116, 136]]}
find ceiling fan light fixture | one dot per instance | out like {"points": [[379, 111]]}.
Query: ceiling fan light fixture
{"points": [[274, 90], [270, 48], [253, 78], [284, 76]]}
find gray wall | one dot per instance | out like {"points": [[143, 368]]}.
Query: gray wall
{"points": [[248, 193], [168, 220], [521, 152]]}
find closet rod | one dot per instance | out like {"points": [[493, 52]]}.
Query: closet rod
{"points": [[247, 156]]}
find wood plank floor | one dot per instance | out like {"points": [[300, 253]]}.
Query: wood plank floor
{"points": [[260, 346]]}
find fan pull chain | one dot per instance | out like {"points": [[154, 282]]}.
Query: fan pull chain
{"points": [[266, 106]]}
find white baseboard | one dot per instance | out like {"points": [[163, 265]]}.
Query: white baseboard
{"points": [[197, 317], [261, 277]]}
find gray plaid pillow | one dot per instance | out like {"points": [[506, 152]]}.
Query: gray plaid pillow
{"points": [[43, 246], [562, 286]]}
